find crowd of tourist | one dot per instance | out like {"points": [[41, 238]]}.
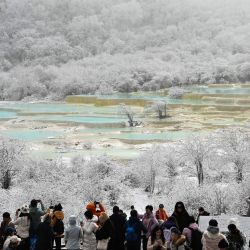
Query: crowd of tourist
{"points": [[37, 228]]}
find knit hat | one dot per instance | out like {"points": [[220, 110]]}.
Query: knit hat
{"points": [[24, 209], [58, 207], [223, 244], [15, 239], [213, 223]]}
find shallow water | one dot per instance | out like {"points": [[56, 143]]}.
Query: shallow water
{"points": [[96, 120]]}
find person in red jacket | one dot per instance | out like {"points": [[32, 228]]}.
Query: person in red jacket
{"points": [[161, 214]]}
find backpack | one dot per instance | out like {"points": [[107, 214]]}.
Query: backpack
{"points": [[59, 227], [196, 236], [130, 233]]}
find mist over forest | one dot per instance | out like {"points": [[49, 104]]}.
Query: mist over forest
{"points": [[54, 48]]}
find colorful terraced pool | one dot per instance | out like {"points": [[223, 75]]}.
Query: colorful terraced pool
{"points": [[95, 120]]}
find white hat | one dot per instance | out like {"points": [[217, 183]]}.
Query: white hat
{"points": [[24, 209], [234, 221], [15, 239]]}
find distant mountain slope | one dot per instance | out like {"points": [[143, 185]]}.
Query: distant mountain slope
{"points": [[60, 47]]}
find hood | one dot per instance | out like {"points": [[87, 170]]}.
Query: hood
{"points": [[72, 220], [103, 218], [59, 215], [180, 204], [213, 230]]}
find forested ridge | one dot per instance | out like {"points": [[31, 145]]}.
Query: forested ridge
{"points": [[54, 48]]}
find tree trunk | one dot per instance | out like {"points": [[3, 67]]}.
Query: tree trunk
{"points": [[6, 180], [239, 176], [200, 174], [160, 114]]}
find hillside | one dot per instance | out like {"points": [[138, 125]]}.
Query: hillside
{"points": [[55, 48]]}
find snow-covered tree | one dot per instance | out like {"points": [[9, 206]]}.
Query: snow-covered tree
{"points": [[160, 107], [235, 145], [10, 152]]}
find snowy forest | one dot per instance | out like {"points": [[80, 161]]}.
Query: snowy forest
{"points": [[54, 48], [51, 49]]}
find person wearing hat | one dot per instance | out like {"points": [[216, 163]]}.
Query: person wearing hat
{"points": [[161, 214], [14, 243], [212, 236], [73, 234], [23, 225]]}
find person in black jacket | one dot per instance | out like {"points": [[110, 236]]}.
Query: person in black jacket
{"points": [[119, 225], [106, 230], [44, 235], [181, 215], [201, 212], [134, 229]]}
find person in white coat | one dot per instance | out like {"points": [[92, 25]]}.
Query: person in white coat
{"points": [[23, 225], [89, 228], [73, 234]]}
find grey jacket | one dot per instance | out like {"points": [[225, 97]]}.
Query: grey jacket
{"points": [[73, 234]]}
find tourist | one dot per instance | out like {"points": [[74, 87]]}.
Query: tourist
{"points": [[44, 234], [35, 215], [57, 225], [177, 240], [23, 225], [149, 221], [235, 238], [201, 212], [134, 230], [212, 236], [119, 222], [157, 241], [7, 222], [193, 235], [9, 232], [161, 215], [96, 208], [223, 245], [105, 233], [14, 243], [181, 215], [73, 234], [89, 228], [167, 226]]}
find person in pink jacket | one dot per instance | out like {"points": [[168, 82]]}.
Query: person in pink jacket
{"points": [[212, 236], [150, 222]]}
